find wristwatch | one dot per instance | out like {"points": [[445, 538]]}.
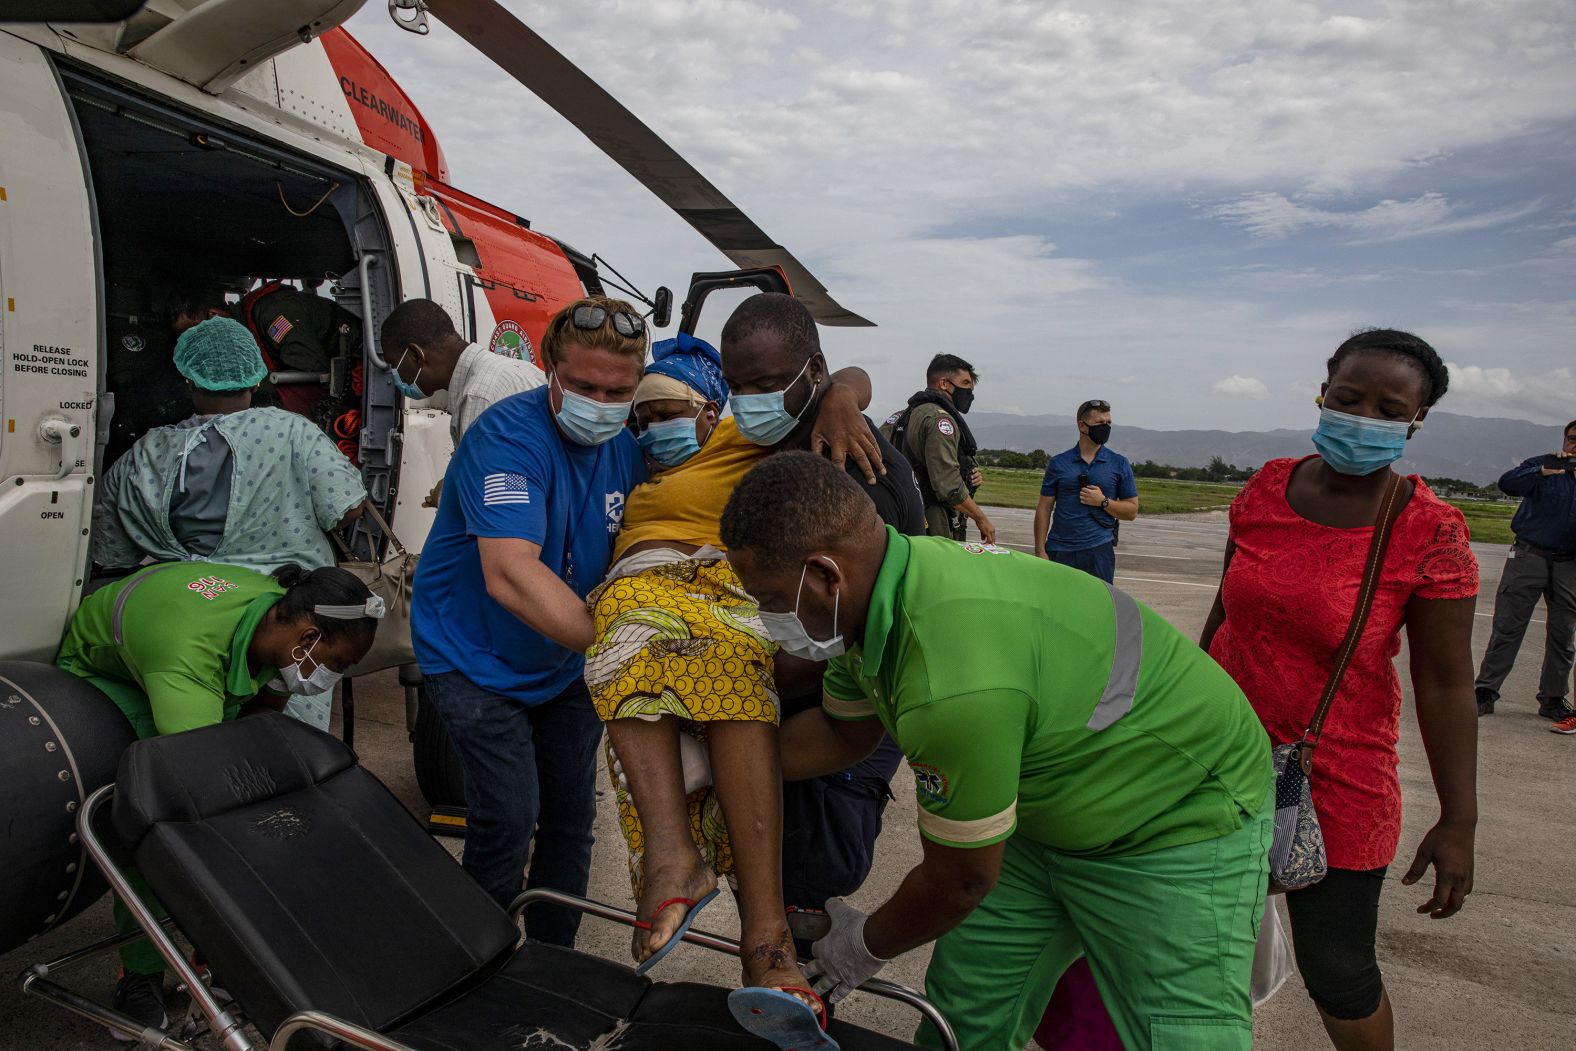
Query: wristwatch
{"points": [[1104, 501]]}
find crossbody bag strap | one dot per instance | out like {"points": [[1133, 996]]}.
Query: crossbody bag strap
{"points": [[382, 524], [1389, 511], [370, 509]]}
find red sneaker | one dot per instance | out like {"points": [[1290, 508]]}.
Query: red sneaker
{"points": [[1565, 726]]}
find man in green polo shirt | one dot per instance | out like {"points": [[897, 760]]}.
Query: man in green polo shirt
{"points": [[1089, 781]]}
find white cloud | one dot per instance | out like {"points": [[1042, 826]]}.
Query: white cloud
{"points": [[1270, 214], [1243, 387], [935, 162], [1496, 391]]}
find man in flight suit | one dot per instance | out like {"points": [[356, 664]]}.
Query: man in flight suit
{"points": [[931, 433], [298, 331]]}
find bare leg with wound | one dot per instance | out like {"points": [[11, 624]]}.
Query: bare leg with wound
{"points": [[746, 769]]}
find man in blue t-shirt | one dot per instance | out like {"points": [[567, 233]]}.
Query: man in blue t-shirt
{"points": [[531, 504], [1091, 489]]}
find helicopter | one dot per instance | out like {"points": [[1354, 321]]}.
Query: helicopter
{"points": [[260, 142]]}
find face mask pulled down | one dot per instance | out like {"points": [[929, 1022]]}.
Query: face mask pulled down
{"points": [[322, 680], [410, 390], [789, 632], [1358, 445]]}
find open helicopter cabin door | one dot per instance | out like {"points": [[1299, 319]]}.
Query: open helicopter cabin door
{"points": [[50, 349]]}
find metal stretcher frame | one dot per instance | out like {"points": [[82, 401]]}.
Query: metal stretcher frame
{"points": [[875, 986], [229, 1027]]}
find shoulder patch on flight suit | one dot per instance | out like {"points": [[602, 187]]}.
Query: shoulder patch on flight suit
{"points": [[892, 419], [945, 426]]}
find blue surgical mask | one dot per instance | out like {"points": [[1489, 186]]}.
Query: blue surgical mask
{"points": [[671, 442], [588, 421], [410, 390], [762, 418], [1358, 445]]}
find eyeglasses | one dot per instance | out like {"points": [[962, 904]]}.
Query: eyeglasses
{"points": [[1097, 405], [589, 319]]}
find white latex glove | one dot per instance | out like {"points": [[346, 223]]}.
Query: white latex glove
{"points": [[694, 756], [842, 963]]}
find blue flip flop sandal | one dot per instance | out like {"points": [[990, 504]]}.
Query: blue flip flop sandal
{"points": [[782, 1018], [695, 905]]}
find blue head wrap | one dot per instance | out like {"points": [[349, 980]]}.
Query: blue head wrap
{"points": [[694, 363]]}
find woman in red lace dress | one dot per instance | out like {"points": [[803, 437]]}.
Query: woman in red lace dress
{"points": [[1294, 559]]}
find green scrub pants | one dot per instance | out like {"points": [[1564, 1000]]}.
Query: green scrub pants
{"points": [[138, 957], [1169, 936]]}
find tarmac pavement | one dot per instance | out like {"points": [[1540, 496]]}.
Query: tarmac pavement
{"points": [[1491, 977]]}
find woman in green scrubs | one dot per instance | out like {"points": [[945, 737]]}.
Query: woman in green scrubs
{"points": [[182, 645]]}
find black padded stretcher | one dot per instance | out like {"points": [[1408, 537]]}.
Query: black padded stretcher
{"points": [[336, 921]]}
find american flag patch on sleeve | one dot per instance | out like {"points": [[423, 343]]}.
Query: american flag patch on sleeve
{"points": [[280, 328], [505, 488]]}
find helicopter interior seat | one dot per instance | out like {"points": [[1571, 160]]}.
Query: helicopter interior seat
{"points": [[306, 886]]}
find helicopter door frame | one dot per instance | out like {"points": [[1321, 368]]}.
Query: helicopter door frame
{"points": [[51, 349], [425, 445], [370, 234]]}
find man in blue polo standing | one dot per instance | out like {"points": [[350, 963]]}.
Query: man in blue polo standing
{"points": [[1090, 489], [533, 500]]}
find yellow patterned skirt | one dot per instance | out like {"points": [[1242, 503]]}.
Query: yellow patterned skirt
{"points": [[681, 639]]}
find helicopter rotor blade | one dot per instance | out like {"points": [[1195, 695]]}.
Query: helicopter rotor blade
{"points": [[517, 49]]}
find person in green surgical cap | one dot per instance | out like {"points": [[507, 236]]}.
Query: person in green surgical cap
{"points": [[243, 486]]}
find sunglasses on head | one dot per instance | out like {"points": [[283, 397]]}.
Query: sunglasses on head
{"points": [[1098, 406], [591, 318]]}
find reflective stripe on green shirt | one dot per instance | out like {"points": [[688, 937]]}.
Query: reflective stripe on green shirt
{"points": [[1032, 697], [169, 642]]}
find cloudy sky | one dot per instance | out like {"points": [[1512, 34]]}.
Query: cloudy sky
{"points": [[1179, 207]]}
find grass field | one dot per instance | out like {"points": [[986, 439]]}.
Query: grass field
{"points": [[1489, 522]]}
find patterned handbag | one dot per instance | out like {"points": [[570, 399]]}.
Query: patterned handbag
{"points": [[1297, 857]]}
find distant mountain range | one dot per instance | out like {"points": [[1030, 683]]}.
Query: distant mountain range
{"points": [[1474, 448]]}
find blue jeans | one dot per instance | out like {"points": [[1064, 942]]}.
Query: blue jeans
{"points": [[1096, 561], [529, 771]]}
